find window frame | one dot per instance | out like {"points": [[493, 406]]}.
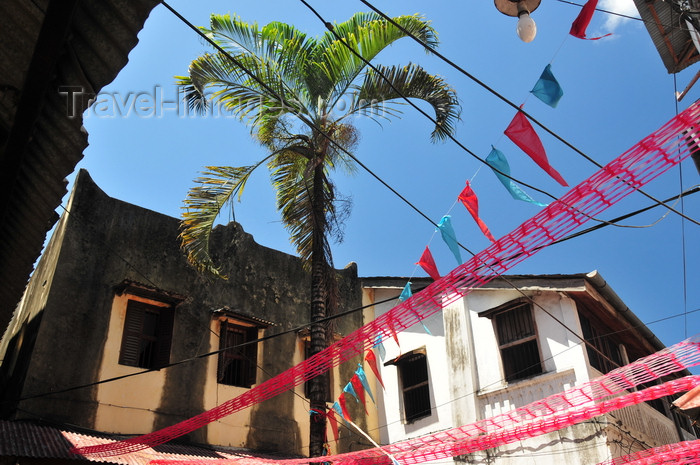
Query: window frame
{"points": [[246, 374], [413, 410], [511, 375], [135, 341]]}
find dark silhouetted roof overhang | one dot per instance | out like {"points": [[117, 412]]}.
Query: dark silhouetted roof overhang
{"points": [[48, 49]]}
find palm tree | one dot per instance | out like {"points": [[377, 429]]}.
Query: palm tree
{"points": [[288, 88]]}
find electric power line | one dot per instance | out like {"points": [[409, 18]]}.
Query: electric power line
{"points": [[331, 28], [280, 334], [492, 91], [266, 337]]}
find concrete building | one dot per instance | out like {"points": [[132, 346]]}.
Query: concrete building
{"points": [[498, 348], [113, 296]]}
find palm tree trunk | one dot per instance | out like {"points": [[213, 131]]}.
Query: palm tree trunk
{"points": [[319, 265]]}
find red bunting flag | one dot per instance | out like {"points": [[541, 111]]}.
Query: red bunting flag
{"points": [[393, 332], [580, 24], [372, 360], [469, 199], [360, 390], [343, 407], [333, 422], [428, 264], [521, 132]]}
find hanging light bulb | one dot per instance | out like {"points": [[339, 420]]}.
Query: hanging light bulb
{"points": [[526, 28]]}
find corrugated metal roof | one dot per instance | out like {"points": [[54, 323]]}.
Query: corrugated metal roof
{"points": [[73, 43], [30, 440], [669, 32]]}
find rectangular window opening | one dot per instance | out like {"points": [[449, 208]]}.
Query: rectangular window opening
{"points": [[415, 386], [238, 360], [517, 342], [147, 336]]}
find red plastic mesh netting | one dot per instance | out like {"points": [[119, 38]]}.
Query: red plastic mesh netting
{"points": [[648, 159], [465, 439]]}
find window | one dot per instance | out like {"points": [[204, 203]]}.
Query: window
{"points": [[603, 351], [517, 341], [148, 331], [413, 375], [237, 364]]}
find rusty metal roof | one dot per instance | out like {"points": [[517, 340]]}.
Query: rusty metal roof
{"points": [[24, 439], [47, 46], [665, 22]]}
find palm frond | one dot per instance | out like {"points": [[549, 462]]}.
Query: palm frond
{"points": [[367, 34], [213, 78], [216, 187], [291, 173], [411, 81], [277, 46]]}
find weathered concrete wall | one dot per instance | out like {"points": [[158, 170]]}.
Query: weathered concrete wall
{"points": [[392, 424], [104, 242]]}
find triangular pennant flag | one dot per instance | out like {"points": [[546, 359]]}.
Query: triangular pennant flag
{"points": [[338, 409], [425, 328], [380, 347], [423, 324], [343, 406], [428, 264], [580, 24], [469, 200], [498, 162], [406, 293], [547, 88], [359, 390], [333, 422], [360, 372], [392, 331], [350, 390], [448, 235], [521, 132], [372, 360]]}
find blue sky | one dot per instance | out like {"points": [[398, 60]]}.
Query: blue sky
{"points": [[616, 91]]}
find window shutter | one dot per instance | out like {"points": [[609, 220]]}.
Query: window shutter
{"points": [[251, 351], [166, 317], [131, 337]]}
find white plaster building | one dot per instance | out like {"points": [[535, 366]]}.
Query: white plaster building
{"points": [[499, 348]]}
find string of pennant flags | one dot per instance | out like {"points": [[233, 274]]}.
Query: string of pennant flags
{"points": [[548, 90], [520, 131], [523, 135], [642, 163], [631, 170]]}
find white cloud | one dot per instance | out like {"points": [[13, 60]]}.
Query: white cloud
{"points": [[623, 7]]}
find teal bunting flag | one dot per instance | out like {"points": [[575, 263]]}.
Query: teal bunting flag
{"points": [[497, 161], [406, 293], [449, 236], [380, 347], [360, 372], [547, 88], [425, 328], [351, 390], [338, 410]]}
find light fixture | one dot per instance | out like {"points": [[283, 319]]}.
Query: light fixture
{"points": [[521, 9]]}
